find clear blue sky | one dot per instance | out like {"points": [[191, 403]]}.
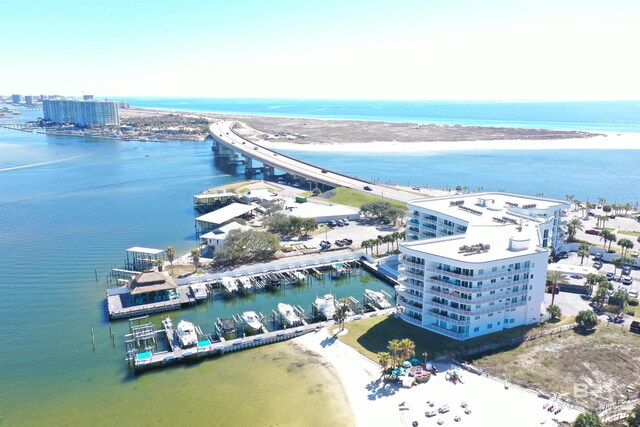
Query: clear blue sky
{"points": [[447, 49]]}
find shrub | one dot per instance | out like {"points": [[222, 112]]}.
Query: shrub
{"points": [[633, 302]]}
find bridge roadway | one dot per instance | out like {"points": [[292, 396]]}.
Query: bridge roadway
{"points": [[223, 133]]}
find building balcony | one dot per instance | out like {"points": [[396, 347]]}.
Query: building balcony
{"points": [[409, 295], [409, 319], [479, 277], [408, 275], [406, 263], [456, 296], [448, 319], [414, 221], [446, 332], [447, 307], [414, 287]]}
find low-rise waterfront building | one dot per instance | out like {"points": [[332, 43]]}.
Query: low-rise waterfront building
{"points": [[81, 112], [476, 264], [215, 239]]}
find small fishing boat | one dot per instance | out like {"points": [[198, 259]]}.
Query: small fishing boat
{"points": [[186, 333], [288, 314], [252, 320], [377, 299], [327, 306]]}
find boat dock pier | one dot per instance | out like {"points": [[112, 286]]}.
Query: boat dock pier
{"points": [[119, 306], [144, 335]]}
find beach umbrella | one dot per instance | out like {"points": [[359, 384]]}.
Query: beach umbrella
{"points": [[406, 364], [414, 361]]}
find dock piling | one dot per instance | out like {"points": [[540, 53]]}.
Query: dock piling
{"points": [[93, 339]]}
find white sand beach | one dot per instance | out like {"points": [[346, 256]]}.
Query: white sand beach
{"points": [[375, 403], [626, 141]]}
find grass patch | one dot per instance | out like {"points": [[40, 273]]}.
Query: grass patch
{"points": [[605, 360], [370, 336], [630, 233], [355, 198]]}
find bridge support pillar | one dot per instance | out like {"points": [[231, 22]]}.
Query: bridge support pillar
{"points": [[268, 170]]}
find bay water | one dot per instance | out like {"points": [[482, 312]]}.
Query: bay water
{"points": [[70, 206]]}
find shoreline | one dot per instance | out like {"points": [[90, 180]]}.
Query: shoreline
{"points": [[349, 135], [374, 402], [605, 142]]}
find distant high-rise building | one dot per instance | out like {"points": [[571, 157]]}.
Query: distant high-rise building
{"points": [[124, 105], [16, 99], [87, 97], [28, 99], [81, 113], [42, 97]]}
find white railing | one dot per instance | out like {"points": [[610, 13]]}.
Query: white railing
{"points": [[448, 319]]}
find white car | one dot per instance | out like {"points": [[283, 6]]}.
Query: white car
{"points": [[633, 293]]}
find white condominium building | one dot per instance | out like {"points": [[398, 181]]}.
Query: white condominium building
{"points": [[81, 112], [475, 264]]}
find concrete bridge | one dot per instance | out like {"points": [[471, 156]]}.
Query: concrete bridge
{"points": [[229, 144]]}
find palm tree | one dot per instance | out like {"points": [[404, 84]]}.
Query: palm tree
{"points": [[171, 253], [394, 347], [608, 236], [340, 314], [625, 244], [384, 359], [407, 348], [554, 277], [377, 242], [573, 227], [388, 239], [366, 244], [582, 253], [195, 256]]}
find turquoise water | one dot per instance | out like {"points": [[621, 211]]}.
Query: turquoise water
{"points": [[610, 116], [67, 213]]}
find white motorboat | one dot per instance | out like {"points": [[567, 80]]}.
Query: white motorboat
{"points": [[327, 306], [199, 291], [252, 320], [300, 276], [245, 282], [377, 299], [229, 284], [288, 314], [186, 333]]}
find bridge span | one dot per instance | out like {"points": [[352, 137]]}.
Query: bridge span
{"points": [[228, 143]]}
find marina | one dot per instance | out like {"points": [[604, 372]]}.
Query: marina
{"points": [[143, 336]]}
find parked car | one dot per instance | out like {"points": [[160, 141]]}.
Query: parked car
{"points": [[340, 223], [598, 256], [430, 414], [626, 271], [345, 221], [324, 171], [597, 265], [576, 276], [633, 293], [592, 231], [610, 276], [332, 223], [627, 281], [367, 188]]}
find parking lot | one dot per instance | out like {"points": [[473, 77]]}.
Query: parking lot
{"points": [[572, 303]]}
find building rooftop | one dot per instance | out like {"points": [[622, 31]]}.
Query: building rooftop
{"points": [[499, 241], [142, 250], [317, 210], [221, 233], [151, 281], [481, 208], [225, 214]]}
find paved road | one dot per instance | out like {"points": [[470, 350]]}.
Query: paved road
{"points": [[222, 131]]}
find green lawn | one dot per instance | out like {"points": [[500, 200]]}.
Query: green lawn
{"points": [[630, 233], [370, 336], [355, 198]]}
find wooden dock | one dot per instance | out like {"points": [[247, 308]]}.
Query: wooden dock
{"points": [[218, 348], [119, 307]]}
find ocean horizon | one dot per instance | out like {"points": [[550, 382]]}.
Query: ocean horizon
{"points": [[594, 116]]}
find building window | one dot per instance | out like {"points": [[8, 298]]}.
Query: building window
{"points": [[490, 325], [479, 283], [478, 305], [492, 292], [476, 329], [494, 269], [493, 280], [491, 303], [477, 317], [479, 294], [490, 314], [512, 320], [498, 323]]}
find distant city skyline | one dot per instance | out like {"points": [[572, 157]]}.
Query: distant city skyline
{"points": [[426, 50]]}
